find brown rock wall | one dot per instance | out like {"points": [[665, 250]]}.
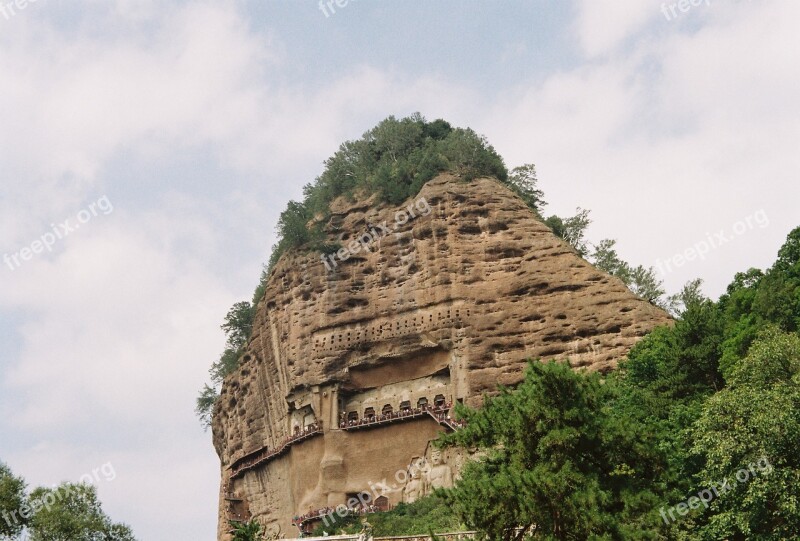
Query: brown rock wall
{"points": [[468, 292]]}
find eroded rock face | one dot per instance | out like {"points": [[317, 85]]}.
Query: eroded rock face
{"points": [[441, 308]]}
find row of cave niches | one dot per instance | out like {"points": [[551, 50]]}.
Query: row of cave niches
{"points": [[392, 329], [346, 418]]}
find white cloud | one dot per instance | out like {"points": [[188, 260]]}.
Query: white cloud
{"points": [[201, 82], [602, 26], [120, 332], [132, 317], [71, 104], [683, 134]]}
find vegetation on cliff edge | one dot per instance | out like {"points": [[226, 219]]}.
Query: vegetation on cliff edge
{"points": [[394, 160]]}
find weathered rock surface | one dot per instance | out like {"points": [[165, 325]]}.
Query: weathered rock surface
{"points": [[449, 304]]}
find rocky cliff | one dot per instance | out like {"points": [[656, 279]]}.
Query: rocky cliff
{"points": [[435, 301]]}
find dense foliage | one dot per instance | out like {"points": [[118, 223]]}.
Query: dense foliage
{"points": [[559, 461], [756, 417], [76, 514], [12, 496], [247, 531], [68, 511], [394, 159], [429, 514]]}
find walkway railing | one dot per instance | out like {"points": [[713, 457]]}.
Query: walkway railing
{"points": [[448, 536], [443, 418], [265, 454], [441, 414], [317, 514]]}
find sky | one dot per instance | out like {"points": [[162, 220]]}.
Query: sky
{"points": [[146, 151]]}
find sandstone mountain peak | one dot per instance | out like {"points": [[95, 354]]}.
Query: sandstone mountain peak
{"points": [[356, 354]]}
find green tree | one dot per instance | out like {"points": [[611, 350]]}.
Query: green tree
{"points": [[395, 139], [645, 284], [741, 320], [652, 360], [572, 230], [239, 324], [707, 384], [258, 294], [700, 333], [470, 156], [72, 512], [755, 421], [604, 256], [756, 299], [680, 363], [204, 407], [225, 365], [293, 224], [524, 182], [437, 130], [555, 458], [12, 498], [663, 384], [641, 281], [778, 296], [690, 294], [247, 531]]}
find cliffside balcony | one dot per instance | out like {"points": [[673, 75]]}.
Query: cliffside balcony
{"points": [[265, 454], [441, 414]]}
